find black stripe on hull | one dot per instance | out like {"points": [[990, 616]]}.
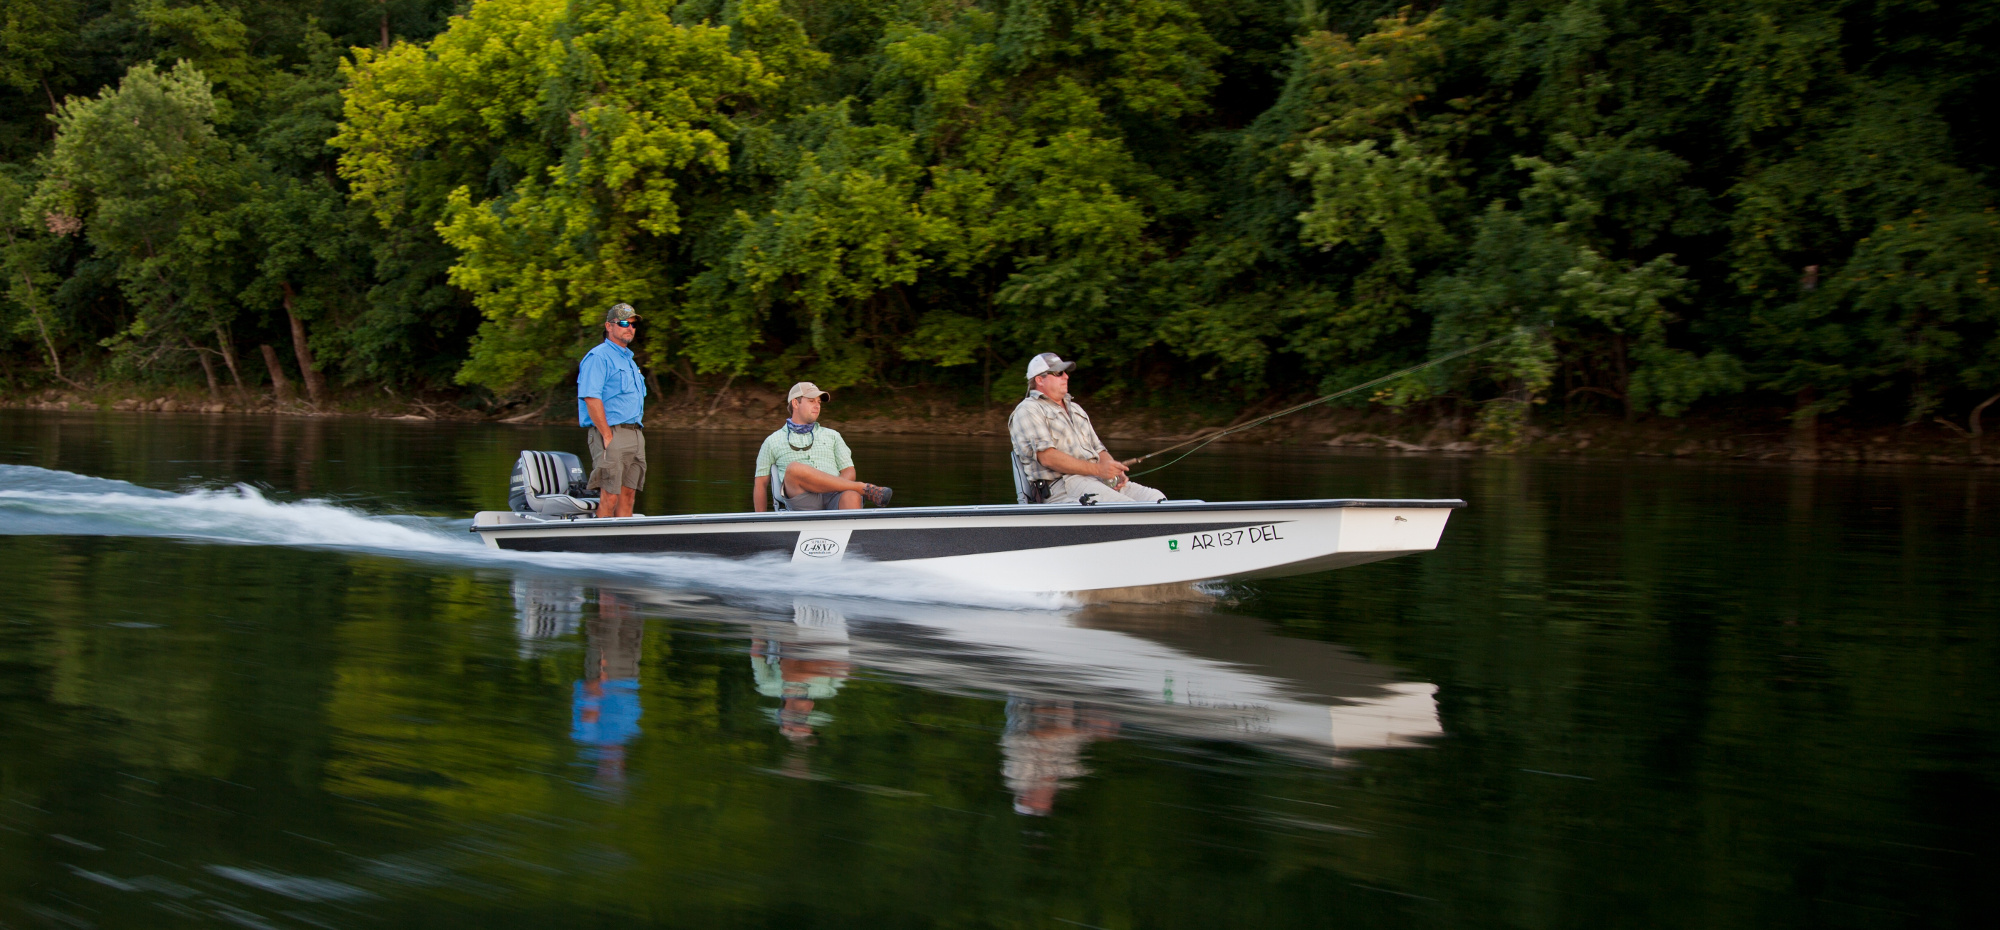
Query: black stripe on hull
{"points": [[886, 545], [920, 543], [727, 545]]}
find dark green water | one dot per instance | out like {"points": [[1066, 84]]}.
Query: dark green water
{"points": [[1619, 694]]}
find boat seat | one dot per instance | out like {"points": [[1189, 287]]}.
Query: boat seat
{"points": [[1017, 466], [778, 488], [550, 484]]}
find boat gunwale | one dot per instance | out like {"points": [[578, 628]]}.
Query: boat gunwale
{"points": [[966, 510]]}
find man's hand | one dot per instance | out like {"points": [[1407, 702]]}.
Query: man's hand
{"points": [[1104, 467], [596, 407], [1111, 470]]}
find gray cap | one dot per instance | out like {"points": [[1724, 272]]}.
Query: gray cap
{"points": [[1048, 363], [620, 312]]}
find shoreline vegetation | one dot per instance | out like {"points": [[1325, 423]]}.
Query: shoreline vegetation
{"points": [[1760, 228], [756, 407]]}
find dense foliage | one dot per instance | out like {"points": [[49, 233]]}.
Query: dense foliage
{"points": [[1755, 202]]}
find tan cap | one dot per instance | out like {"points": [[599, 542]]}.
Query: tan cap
{"points": [[620, 312], [1048, 363], [804, 389]]}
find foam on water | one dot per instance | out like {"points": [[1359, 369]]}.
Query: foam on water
{"points": [[44, 502]]}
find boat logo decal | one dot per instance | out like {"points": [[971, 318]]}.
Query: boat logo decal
{"points": [[819, 547], [1173, 545], [1399, 519]]}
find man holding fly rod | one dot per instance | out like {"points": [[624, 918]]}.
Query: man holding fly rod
{"points": [[1057, 449]]}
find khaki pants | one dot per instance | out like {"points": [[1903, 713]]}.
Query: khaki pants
{"points": [[623, 465], [1072, 488]]}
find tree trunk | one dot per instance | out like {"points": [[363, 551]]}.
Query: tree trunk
{"points": [[685, 372], [41, 325], [207, 368], [1973, 420], [1805, 427], [1624, 379], [718, 397], [229, 358], [280, 385], [55, 361], [308, 372]]}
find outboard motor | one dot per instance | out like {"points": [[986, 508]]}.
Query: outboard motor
{"points": [[550, 484]]}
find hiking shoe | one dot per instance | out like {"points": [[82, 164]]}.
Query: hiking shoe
{"points": [[877, 495]]}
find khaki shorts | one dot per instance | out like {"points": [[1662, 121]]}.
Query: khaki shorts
{"points": [[823, 500], [624, 466]]}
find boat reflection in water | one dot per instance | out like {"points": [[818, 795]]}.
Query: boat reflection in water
{"points": [[545, 609], [1071, 678]]}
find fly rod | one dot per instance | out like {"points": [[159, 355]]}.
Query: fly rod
{"points": [[1260, 421]]}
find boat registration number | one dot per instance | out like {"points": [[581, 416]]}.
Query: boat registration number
{"points": [[1247, 536]]}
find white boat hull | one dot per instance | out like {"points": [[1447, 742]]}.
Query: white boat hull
{"points": [[1023, 548]]}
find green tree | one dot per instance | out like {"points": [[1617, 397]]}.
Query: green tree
{"points": [[591, 113], [1867, 256], [140, 171], [25, 260], [37, 37]]}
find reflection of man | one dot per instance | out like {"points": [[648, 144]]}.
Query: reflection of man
{"points": [[1055, 443], [799, 675], [819, 470], [604, 705], [1043, 749], [611, 402]]}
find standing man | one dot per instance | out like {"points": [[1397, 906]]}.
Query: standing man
{"points": [[1059, 449], [819, 470], [611, 402]]}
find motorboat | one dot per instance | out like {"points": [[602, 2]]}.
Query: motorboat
{"points": [[1013, 547]]}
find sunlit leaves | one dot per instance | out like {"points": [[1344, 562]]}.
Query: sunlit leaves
{"points": [[549, 139]]}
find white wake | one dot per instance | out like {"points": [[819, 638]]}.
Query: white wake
{"points": [[43, 502]]}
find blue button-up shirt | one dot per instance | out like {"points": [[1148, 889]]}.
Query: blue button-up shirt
{"points": [[610, 375]]}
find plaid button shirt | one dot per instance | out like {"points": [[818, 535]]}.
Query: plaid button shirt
{"points": [[1037, 424]]}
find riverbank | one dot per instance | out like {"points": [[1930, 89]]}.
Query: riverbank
{"points": [[1751, 436]]}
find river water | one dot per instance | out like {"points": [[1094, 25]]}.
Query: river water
{"points": [[255, 672]]}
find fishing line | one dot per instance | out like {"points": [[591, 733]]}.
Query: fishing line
{"points": [[1260, 421]]}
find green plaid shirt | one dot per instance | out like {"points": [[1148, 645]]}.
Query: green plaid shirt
{"points": [[1037, 424]]}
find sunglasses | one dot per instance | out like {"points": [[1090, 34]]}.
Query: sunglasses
{"points": [[625, 324]]}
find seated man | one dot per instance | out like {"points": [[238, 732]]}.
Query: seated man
{"points": [[1059, 449], [819, 471]]}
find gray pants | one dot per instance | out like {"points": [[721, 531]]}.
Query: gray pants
{"points": [[1071, 488]]}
